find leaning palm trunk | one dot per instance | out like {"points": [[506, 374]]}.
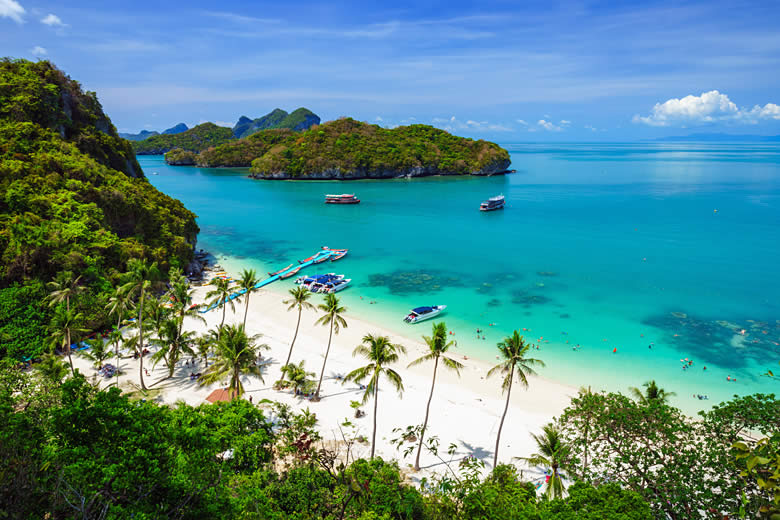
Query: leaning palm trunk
{"points": [[376, 401], [295, 336], [141, 339], [246, 308], [324, 361], [68, 351], [506, 408], [425, 422]]}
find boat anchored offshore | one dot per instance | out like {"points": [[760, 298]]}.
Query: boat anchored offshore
{"points": [[493, 203], [423, 313], [332, 286], [344, 198]]}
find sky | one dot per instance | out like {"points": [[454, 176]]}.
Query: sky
{"points": [[509, 71]]}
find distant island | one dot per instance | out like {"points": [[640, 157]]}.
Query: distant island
{"points": [[720, 138], [208, 135], [145, 134], [350, 149]]}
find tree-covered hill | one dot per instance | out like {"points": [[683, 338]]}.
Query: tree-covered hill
{"points": [[195, 139], [73, 199], [347, 148]]}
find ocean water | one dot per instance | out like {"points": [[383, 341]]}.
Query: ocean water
{"points": [[640, 256]]}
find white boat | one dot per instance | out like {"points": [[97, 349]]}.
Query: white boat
{"points": [[335, 285], [423, 313]]}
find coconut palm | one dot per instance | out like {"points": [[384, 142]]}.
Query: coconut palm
{"points": [[64, 324], [173, 343], [246, 282], [332, 317], [98, 352], [181, 297], [437, 347], [554, 454], [236, 355], [52, 368], [299, 300], [63, 288], [298, 377], [380, 352], [118, 305], [513, 350], [652, 393], [141, 276], [220, 295], [204, 345]]}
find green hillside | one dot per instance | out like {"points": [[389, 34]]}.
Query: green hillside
{"points": [[72, 199], [350, 149], [195, 139]]}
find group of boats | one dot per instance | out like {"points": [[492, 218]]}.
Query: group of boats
{"points": [[324, 283], [492, 204]]}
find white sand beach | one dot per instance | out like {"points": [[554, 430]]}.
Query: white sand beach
{"points": [[465, 410]]}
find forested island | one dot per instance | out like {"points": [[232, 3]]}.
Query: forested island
{"points": [[349, 149], [73, 199]]}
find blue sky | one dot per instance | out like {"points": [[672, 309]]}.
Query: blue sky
{"points": [[508, 71]]}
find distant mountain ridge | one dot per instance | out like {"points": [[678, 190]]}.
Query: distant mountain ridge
{"points": [[721, 138], [300, 119], [146, 134], [208, 135]]}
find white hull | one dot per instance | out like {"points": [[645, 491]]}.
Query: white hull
{"points": [[428, 315]]}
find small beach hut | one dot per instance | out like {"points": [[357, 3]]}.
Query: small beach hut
{"points": [[220, 394]]}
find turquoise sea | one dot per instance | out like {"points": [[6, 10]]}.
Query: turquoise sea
{"points": [[660, 251]]}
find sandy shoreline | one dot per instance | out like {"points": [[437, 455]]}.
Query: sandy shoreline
{"points": [[465, 411]]}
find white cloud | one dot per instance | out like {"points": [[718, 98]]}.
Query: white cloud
{"points": [[591, 128], [709, 107], [565, 122], [38, 51], [378, 119], [13, 10], [454, 124], [547, 125], [52, 20], [520, 121]]}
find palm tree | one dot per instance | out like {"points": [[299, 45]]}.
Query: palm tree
{"points": [[299, 377], [173, 343], [236, 354], [97, 352], [437, 345], [513, 349], [380, 353], [52, 368], [652, 393], [553, 454], [247, 282], [332, 317], [63, 288], [63, 324], [118, 305], [299, 300], [182, 298], [141, 275], [220, 295], [204, 345]]}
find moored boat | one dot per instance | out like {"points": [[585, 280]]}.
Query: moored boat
{"points": [[344, 198], [280, 270], [423, 313], [338, 255], [289, 273], [493, 203], [335, 285]]}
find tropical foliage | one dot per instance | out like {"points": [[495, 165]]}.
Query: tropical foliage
{"points": [[72, 198], [237, 354], [195, 139]]}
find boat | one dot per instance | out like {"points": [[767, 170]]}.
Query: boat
{"points": [[493, 203], [335, 286], [423, 313], [321, 258], [289, 273], [344, 198], [318, 279], [280, 270], [338, 255]]}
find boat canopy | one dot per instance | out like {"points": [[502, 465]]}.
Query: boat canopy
{"points": [[422, 310]]}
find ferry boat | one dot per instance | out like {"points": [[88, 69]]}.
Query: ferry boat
{"points": [[344, 198], [419, 314], [492, 204], [332, 286]]}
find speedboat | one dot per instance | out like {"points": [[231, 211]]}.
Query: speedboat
{"points": [[493, 203], [316, 281], [334, 286], [423, 313], [344, 198]]}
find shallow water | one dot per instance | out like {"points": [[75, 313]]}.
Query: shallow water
{"points": [[608, 247]]}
